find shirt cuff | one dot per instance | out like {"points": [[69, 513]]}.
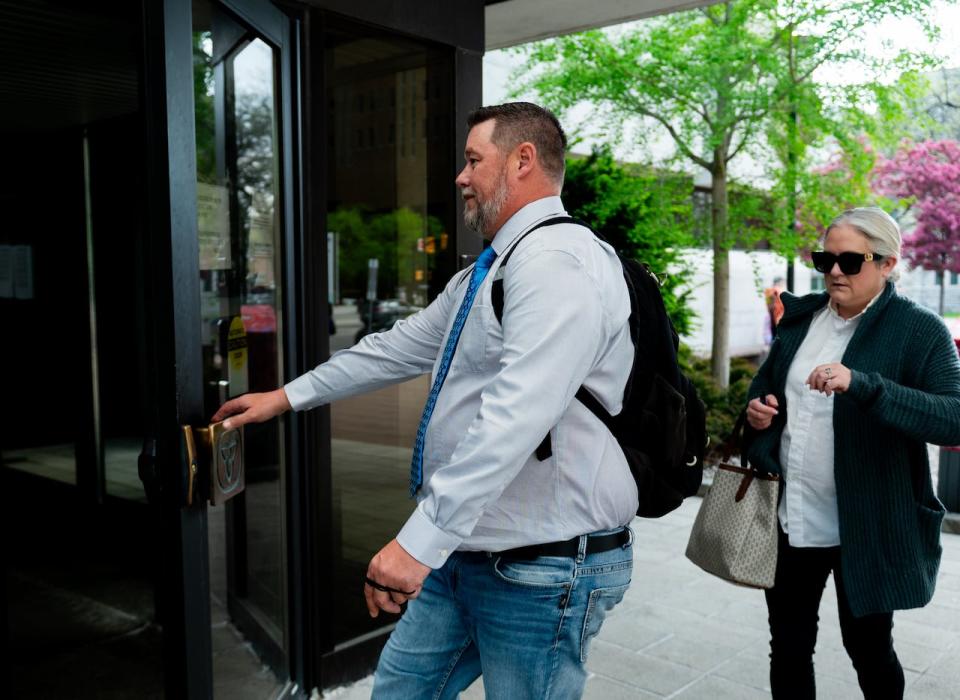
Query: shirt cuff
{"points": [[300, 393], [425, 542]]}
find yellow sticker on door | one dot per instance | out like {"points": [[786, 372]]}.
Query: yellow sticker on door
{"points": [[237, 357]]}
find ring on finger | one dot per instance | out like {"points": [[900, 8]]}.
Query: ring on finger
{"points": [[828, 371]]}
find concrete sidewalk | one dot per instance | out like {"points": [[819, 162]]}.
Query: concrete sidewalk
{"points": [[681, 633]]}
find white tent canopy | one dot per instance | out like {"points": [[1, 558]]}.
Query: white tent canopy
{"points": [[512, 22]]}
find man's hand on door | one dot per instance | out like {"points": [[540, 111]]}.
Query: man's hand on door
{"points": [[252, 408]]}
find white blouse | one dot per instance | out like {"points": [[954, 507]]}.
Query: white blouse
{"points": [[808, 509]]}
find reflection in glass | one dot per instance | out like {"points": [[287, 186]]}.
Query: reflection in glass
{"points": [[239, 231], [54, 461], [389, 211], [117, 261], [46, 350]]}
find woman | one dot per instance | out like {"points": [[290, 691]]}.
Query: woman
{"points": [[858, 380]]}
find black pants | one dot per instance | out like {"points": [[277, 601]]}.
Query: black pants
{"points": [[793, 604]]}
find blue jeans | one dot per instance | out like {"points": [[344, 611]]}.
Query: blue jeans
{"points": [[525, 626]]}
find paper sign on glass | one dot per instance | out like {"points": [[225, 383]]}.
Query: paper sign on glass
{"points": [[213, 226], [260, 249]]}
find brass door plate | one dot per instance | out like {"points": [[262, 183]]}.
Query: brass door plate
{"points": [[225, 448]]}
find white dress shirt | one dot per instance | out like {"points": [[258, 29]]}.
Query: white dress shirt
{"points": [[564, 325], [808, 509]]}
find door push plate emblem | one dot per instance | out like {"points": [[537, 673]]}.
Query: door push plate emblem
{"points": [[224, 449]]}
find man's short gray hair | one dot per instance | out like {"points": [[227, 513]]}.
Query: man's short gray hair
{"points": [[517, 122]]}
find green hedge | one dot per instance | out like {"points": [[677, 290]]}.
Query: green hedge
{"points": [[723, 405]]}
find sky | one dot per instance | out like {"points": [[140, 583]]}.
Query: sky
{"points": [[892, 35], [887, 39]]}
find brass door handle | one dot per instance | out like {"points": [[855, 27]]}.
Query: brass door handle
{"points": [[192, 467], [219, 453]]}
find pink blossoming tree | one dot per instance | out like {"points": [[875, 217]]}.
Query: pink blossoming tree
{"points": [[925, 179]]}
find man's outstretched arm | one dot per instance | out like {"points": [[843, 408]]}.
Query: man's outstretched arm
{"points": [[407, 350]]}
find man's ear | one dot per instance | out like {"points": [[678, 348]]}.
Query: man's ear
{"points": [[526, 157]]}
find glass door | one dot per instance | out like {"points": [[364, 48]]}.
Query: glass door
{"points": [[239, 227], [390, 226], [228, 158]]}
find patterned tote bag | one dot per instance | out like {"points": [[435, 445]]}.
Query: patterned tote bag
{"points": [[735, 533]]}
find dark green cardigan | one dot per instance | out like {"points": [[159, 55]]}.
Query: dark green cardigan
{"points": [[904, 392]]}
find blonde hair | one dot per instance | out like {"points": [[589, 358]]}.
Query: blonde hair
{"points": [[877, 226]]}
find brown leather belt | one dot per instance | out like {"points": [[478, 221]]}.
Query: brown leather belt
{"points": [[568, 548]]}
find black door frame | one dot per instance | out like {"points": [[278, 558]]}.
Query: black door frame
{"points": [[314, 659], [458, 26], [173, 293]]}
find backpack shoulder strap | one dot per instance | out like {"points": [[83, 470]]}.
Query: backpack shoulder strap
{"points": [[496, 291], [583, 395]]}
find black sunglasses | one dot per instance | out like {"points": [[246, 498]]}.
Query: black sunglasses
{"points": [[850, 263]]}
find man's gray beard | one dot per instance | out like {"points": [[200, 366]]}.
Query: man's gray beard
{"points": [[481, 218]]}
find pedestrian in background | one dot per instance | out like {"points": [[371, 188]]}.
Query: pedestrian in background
{"points": [[509, 562], [771, 297], [858, 380]]}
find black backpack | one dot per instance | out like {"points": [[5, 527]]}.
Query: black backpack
{"points": [[662, 427]]}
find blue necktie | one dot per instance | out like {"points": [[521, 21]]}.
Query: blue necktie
{"points": [[480, 270]]}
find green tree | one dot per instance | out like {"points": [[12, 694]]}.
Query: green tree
{"points": [[811, 116], [711, 79], [848, 140], [704, 77], [642, 212], [844, 181]]}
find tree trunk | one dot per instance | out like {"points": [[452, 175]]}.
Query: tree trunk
{"points": [[793, 150], [720, 353], [943, 288], [791, 187]]}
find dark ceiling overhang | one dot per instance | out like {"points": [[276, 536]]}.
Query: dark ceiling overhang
{"points": [[67, 63]]}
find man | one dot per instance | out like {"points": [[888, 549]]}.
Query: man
{"points": [[509, 562]]}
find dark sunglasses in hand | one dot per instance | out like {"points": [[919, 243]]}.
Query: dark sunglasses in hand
{"points": [[850, 263]]}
